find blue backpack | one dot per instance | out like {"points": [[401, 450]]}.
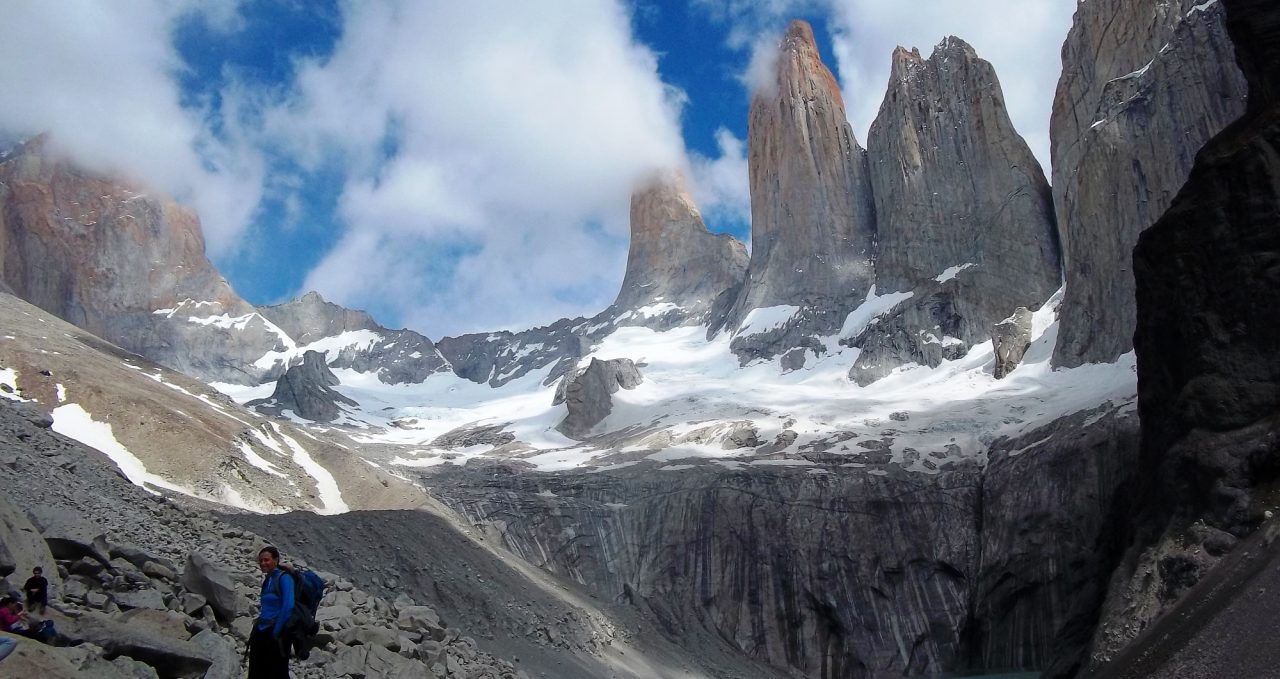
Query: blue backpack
{"points": [[308, 590]]}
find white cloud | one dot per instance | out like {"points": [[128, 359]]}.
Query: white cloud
{"points": [[515, 131], [100, 77], [720, 185]]}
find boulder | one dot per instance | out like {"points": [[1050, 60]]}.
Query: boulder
{"points": [[1010, 339], [144, 638], [375, 661], [225, 660], [33, 660], [587, 393], [140, 557], [22, 548], [139, 598], [210, 581], [70, 535]]}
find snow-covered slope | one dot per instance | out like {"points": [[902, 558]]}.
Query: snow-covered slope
{"points": [[697, 405]]}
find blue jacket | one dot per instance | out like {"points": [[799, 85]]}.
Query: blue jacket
{"points": [[277, 601]]}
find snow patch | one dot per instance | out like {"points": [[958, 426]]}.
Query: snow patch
{"points": [[951, 272], [326, 486], [72, 421], [765, 319], [9, 378], [871, 308]]}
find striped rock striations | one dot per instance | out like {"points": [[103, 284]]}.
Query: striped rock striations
{"points": [[1144, 85], [964, 211]]}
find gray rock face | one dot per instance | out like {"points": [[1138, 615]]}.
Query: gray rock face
{"points": [[838, 575], [395, 356], [1009, 341], [958, 195], [142, 639], [498, 357], [812, 217], [588, 392], [22, 548], [924, 329], [1052, 503], [306, 389], [1208, 347], [673, 259], [106, 257], [1144, 85]]}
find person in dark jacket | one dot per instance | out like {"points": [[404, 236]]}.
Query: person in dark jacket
{"points": [[37, 591], [268, 658]]}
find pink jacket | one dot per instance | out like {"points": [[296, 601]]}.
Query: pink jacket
{"points": [[7, 619]]}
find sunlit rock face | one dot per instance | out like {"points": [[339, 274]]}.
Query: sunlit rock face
{"points": [[674, 265], [125, 265], [1144, 85], [964, 211], [812, 217]]}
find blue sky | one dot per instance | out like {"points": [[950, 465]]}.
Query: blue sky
{"points": [[454, 168]]}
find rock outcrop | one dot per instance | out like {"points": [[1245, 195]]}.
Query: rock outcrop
{"points": [[812, 219], [307, 390], [125, 265], [357, 341], [587, 393], [1208, 350], [1144, 85], [1010, 339], [674, 265], [964, 212]]}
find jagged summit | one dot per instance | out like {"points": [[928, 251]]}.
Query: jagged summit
{"points": [[956, 190], [812, 216], [673, 261]]}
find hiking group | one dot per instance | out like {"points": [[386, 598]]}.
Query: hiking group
{"points": [[15, 620], [286, 621]]}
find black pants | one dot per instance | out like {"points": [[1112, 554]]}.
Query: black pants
{"points": [[266, 661]]}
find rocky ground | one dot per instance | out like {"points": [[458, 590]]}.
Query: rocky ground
{"points": [[145, 586]]}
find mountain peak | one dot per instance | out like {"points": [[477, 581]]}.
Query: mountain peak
{"points": [[673, 259]]}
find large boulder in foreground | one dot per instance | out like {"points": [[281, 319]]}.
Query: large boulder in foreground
{"points": [[210, 581]]}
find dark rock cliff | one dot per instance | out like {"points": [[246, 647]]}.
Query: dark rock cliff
{"points": [[964, 212], [307, 390], [1208, 348], [1144, 85]]}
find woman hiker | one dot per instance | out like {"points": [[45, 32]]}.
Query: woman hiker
{"points": [[267, 656]]}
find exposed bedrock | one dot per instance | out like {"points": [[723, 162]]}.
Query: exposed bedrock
{"points": [[838, 574], [958, 194], [1144, 85], [107, 257], [395, 356], [812, 217], [307, 390], [587, 393], [673, 261]]}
